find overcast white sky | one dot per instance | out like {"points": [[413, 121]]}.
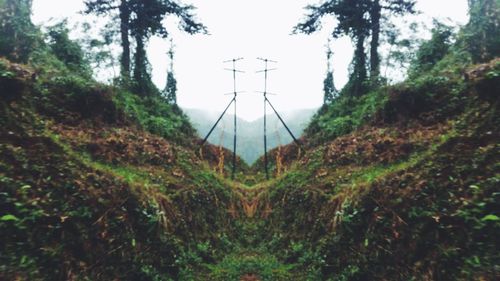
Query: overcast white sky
{"points": [[249, 29]]}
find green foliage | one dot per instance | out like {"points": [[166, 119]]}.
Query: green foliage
{"points": [[344, 115], [403, 48], [170, 91], [481, 36], [266, 267], [65, 49], [434, 50], [18, 36], [329, 90], [65, 215], [8, 218], [157, 116], [4, 71]]}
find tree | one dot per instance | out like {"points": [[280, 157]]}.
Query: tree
{"points": [[329, 88], [357, 19], [149, 15], [142, 19], [105, 7], [65, 49], [352, 22], [390, 7], [481, 36], [99, 50], [432, 51], [18, 35], [403, 49], [170, 91], [330, 92]]}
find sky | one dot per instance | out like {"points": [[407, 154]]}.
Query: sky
{"points": [[249, 29]]}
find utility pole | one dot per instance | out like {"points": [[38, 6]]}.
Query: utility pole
{"points": [[265, 93], [266, 102], [235, 94]]}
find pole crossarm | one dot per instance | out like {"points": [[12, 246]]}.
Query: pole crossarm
{"points": [[267, 60], [265, 70], [232, 60]]}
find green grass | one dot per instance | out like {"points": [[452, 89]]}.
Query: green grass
{"points": [[155, 115], [261, 264]]}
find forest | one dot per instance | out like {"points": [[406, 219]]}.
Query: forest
{"points": [[389, 180]]}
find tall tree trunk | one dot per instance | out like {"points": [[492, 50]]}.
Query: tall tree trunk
{"points": [[140, 66], [375, 14], [124, 30], [359, 73]]}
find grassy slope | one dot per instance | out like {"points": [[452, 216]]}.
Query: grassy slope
{"points": [[87, 194], [402, 185], [410, 195]]}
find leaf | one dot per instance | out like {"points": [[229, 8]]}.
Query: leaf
{"points": [[9, 218], [476, 260], [490, 218], [133, 242]]}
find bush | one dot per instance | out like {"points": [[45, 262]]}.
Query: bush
{"points": [[344, 115], [155, 115]]}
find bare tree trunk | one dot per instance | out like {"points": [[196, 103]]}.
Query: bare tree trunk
{"points": [[359, 73], [375, 14], [141, 77], [125, 42]]}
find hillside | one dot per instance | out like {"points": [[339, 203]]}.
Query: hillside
{"points": [[109, 181], [410, 194], [96, 196], [409, 180]]}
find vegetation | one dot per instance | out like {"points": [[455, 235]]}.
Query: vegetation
{"points": [[170, 91], [18, 36], [357, 19], [105, 182]]}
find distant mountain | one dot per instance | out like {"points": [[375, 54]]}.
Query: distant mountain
{"points": [[250, 135]]}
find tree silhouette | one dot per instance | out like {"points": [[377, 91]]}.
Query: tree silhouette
{"points": [[170, 91], [18, 35], [142, 19], [329, 90], [357, 19]]}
